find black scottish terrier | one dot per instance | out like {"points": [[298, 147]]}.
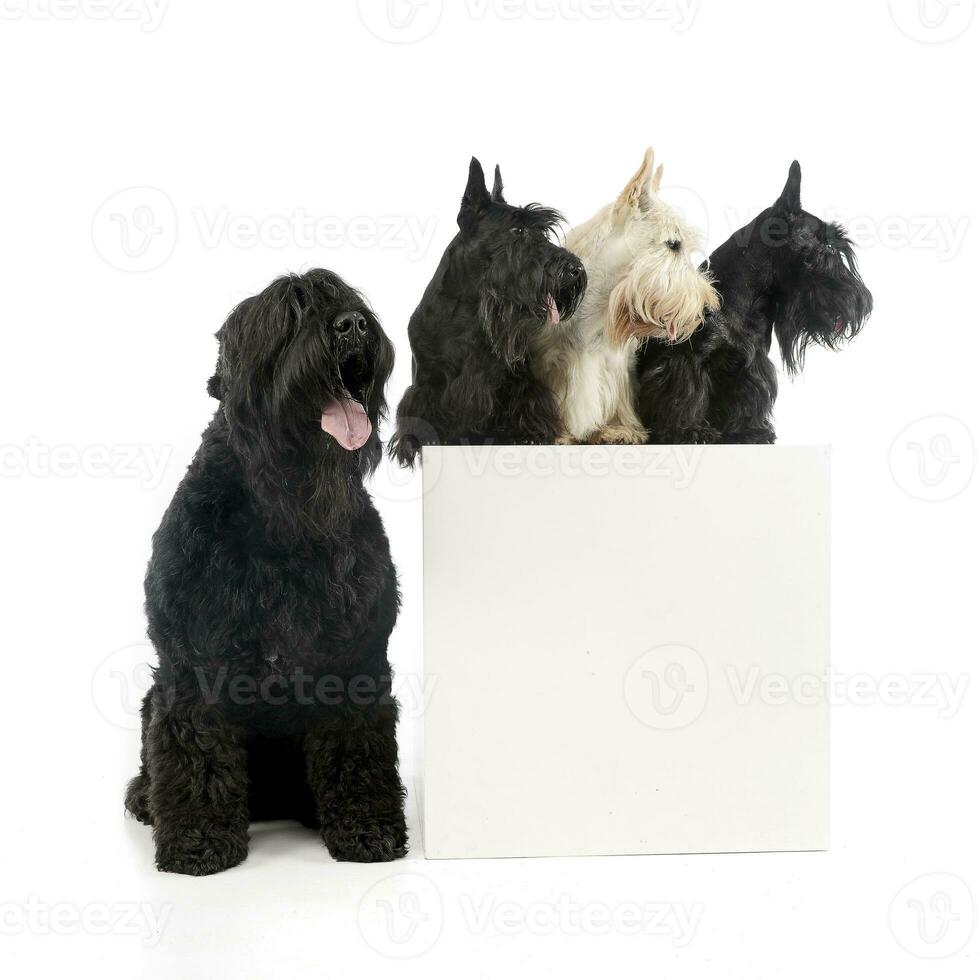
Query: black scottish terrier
{"points": [[271, 595], [501, 281], [786, 272]]}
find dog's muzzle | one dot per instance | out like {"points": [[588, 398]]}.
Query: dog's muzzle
{"points": [[573, 275], [570, 284], [344, 416], [350, 329]]}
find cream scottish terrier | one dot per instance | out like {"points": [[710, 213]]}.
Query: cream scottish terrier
{"points": [[643, 283]]}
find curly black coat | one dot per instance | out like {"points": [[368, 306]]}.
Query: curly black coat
{"points": [[501, 280], [271, 595], [786, 272]]}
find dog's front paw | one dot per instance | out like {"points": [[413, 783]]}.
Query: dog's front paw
{"points": [[704, 436], [368, 842], [201, 848], [404, 449], [566, 439], [137, 798], [618, 435]]}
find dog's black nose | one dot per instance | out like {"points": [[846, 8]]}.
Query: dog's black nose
{"points": [[573, 271], [350, 324]]}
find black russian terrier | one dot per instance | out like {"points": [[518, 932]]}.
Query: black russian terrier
{"points": [[501, 281], [271, 595], [786, 272]]}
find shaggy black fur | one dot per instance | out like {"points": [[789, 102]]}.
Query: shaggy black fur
{"points": [[501, 280], [271, 594], [787, 272]]}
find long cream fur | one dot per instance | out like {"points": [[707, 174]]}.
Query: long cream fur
{"points": [[639, 287]]}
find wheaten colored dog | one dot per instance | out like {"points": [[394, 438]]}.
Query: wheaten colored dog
{"points": [[643, 283]]}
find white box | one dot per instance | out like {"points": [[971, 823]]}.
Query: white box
{"points": [[626, 650]]}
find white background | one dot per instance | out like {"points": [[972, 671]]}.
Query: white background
{"points": [[242, 110]]}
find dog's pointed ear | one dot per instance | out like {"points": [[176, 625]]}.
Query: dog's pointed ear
{"points": [[497, 194], [638, 193], [790, 200], [476, 196]]}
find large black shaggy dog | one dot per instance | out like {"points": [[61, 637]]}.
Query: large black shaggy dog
{"points": [[786, 272], [501, 280], [271, 595]]}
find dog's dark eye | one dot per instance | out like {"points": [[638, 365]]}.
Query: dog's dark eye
{"points": [[518, 231], [674, 245]]}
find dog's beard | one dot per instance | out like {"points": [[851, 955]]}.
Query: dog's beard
{"points": [[306, 433], [511, 326], [661, 298], [829, 311], [513, 312], [310, 382]]}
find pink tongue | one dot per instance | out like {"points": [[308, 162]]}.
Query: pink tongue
{"points": [[554, 318], [347, 422]]}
